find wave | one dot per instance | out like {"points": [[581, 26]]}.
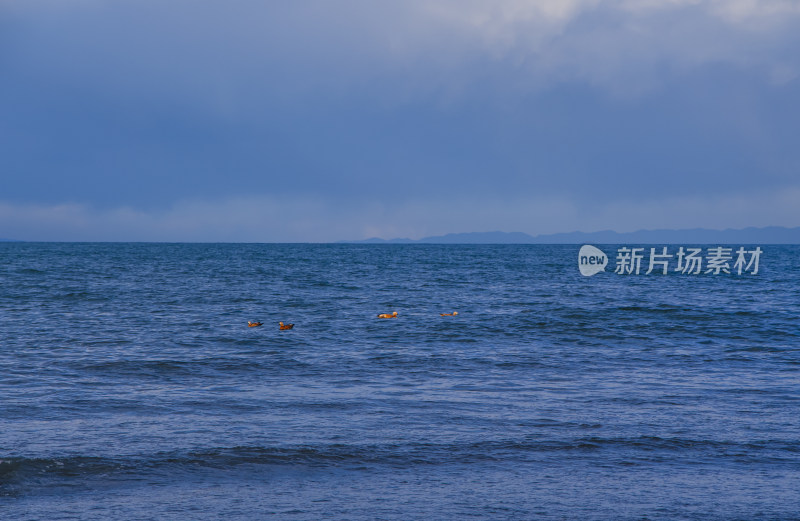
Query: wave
{"points": [[21, 471], [31, 271], [210, 366]]}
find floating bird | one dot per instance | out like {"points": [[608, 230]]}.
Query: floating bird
{"points": [[254, 324], [285, 326], [454, 313], [387, 315]]}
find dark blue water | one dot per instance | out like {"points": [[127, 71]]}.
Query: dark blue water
{"points": [[132, 388]]}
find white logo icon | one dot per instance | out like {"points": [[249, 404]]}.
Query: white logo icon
{"points": [[591, 260]]}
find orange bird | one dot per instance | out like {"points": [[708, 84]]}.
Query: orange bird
{"points": [[285, 326], [387, 315], [254, 324], [454, 313]]}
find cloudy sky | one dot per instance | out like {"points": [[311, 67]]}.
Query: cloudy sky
{"points": [[321, 120]]}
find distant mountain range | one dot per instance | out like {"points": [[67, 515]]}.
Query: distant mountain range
{"points": [[766, 235]]}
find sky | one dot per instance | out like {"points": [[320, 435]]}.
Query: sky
{"points": [[326, 120]]}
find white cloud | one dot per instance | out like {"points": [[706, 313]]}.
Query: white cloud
{"points": [[226, 56], [268, 219], [623, 46], [741, 210]]}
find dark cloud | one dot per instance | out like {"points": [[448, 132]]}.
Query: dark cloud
{"points": [[145, 105]]}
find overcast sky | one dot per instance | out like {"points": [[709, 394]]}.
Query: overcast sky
{"points": [[245, 120]]}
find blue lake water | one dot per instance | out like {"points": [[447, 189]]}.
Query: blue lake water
{"points": [[131, 387]]}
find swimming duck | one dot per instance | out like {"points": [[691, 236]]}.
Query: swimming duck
{"points": [[387, 315], [285, 326], [454, 313], [254, 324]]}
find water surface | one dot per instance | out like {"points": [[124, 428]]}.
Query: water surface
{"points": [[132, 388]]}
